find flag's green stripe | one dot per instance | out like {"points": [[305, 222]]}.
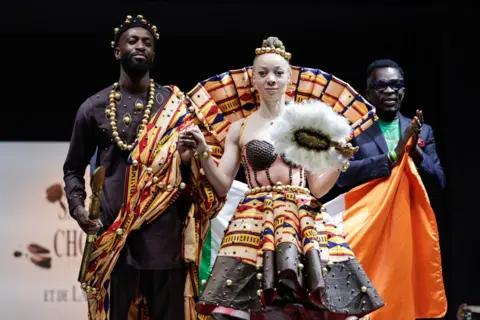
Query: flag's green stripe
{"points": [[206, 256]]}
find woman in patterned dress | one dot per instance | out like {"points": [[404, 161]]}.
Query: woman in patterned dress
{"points": [[282, 257]]}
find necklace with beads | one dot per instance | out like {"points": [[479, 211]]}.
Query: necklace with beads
{"points": [[111, 109]]}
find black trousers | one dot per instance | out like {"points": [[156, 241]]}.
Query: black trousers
{"points": [[163, 290]]}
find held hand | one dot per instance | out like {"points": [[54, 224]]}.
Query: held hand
{"points": [[197, 135], [88, 226], [186, 147]]}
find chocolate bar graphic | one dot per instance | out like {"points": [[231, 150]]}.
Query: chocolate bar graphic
{"points": [[35, 248], [39, 257], [42, 262]]}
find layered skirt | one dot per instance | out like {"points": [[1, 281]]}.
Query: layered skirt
{"points": [[282, 257]]}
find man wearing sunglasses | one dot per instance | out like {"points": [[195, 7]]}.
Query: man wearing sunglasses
{"points": [[383, 144]]}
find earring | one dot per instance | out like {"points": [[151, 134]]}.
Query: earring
{"points": [[252, 89]]}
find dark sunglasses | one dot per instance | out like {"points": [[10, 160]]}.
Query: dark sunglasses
{"points": [[382, 85]]}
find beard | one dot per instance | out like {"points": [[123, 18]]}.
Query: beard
{"points": [[135, 67]]}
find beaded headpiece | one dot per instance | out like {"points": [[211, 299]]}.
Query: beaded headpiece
{"points": [[130, 22], [270, 48]]}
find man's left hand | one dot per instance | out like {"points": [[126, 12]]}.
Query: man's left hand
{"points": [[416, 152]]}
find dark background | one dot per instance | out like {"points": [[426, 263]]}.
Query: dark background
{"points": [[55, 54]]}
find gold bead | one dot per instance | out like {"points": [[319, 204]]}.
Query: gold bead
{"points": [[169, 188], [135, 163], [161, 185], [182, 185], [259, 276], [204, 282], [262, 189], [88, 289], [107, 113], [259, 292], [144, 21], [258, 267], [94, 291], [116, 30], [111, 96], [111, 105], [157, 36], [147, 112], [155, 179], [269, 188], [84, 285], [279, 183], [117, 96], [149, 170], [144, 121], [129, 17], [115, 134], [300, 266], [129, 147], [139, 106], [120, 144], [329, 264], [112, 123], [112, 44], [191, 109], [324, 270], [117, 138], [140, 16], [127, 120], [154, 28], [267, 50], [364, 289], [115, 85], [202, 172], [228, 282]]}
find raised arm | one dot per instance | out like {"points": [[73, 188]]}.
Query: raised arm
{"points": [[220, 177], [321, 183]]}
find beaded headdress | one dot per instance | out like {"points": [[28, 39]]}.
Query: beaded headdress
{"points": [[130, 22], [273, 45]]}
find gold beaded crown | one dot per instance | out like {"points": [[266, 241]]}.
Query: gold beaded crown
{"points": [[130, 22], [270, 47]]}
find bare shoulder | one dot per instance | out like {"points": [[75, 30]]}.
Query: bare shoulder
{"points": [[234, 131]]}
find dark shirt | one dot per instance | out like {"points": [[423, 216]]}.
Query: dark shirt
{"points": [[156, 245]]}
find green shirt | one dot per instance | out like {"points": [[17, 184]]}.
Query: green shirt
{"points": [[391, 132]]}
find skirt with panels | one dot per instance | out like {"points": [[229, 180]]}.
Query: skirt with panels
{"points": [[282, 255]]}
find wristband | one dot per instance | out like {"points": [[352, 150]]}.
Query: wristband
{"points": [[393, 156], [205, 154]]}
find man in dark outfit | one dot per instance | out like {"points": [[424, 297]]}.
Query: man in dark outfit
{"points": [[152, 256]]}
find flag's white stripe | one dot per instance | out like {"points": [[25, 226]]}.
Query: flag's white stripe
{"points": [[220, 223], [336, 208]]}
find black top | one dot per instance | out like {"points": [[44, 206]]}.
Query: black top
{"points": [[154, 246]]}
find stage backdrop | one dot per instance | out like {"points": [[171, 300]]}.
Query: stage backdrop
{"points": [[41, 245]]}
